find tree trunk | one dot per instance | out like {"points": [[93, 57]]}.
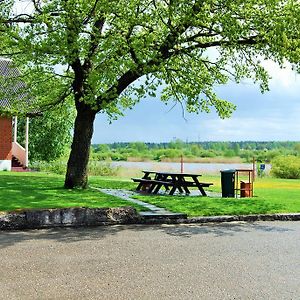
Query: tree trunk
{"points": [[76, 175]]}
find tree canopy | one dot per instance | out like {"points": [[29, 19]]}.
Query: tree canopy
{"points": [[107, 55]]}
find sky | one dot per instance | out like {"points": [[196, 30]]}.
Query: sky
{"points": [[272, 116]]}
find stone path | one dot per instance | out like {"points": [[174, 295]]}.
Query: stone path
{"points": [[152, 209]]}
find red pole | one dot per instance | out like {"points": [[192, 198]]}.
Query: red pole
{"points": [[181, 164], [253, 168]]}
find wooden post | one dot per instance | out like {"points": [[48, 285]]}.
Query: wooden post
{"points": [[16, 129], [181, 164], [26, 141], [253, 167]]}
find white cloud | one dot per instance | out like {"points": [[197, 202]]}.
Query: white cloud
{"points": [[285, 77], [23, 7], [237, 129]]}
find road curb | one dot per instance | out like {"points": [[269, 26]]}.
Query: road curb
{"points": [[222, 219], [87, 217], [67, 217]]}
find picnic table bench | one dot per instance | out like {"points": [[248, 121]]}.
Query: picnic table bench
{"points": [[170, 181]]}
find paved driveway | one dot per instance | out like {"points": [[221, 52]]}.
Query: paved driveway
{"points": [[230, 261]]}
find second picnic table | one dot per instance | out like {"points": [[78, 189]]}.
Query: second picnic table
{"points": [[171, 181]]}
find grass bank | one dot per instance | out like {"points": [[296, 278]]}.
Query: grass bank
{"points": [[271, 195], [40, 190]]}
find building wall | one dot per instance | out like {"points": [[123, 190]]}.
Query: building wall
{"points": [[5, 143]]}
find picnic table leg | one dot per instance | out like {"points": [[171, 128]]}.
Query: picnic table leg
{"points": [[161, 178], [174, 186], [179, 189], [158, 186], [172, 191], [187, 191], [201, 190], [199, 186], [166, 187], [150, 190], [182, 186], [138, 188], [141, 184]]}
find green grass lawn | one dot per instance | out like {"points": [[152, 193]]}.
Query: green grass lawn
{"points": [[270, 196], [38, 190]]}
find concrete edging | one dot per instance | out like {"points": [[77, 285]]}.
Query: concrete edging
{"points": [[223, 219], [68, 217], [78, 217]]}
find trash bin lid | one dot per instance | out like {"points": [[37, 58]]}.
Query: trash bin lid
{"points": [[228, 171]]}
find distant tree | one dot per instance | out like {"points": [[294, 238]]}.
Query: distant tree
{"points": [[196, 150], [229, 153], [139, 146], [176, 144], [236, 149], [297, 148], [102, 148], [96, 51]]}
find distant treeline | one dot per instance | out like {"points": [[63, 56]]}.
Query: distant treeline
{"points": [[193, 151]]}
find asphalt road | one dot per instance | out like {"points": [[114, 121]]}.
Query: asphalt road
{"points": [[228, 261]]}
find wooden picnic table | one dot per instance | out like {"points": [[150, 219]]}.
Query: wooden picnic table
{"points": [[171, 181]]}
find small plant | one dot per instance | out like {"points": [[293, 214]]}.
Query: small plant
{"points": [[286, 167]]}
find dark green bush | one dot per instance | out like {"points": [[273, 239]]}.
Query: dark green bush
{"points": [[286, 167]]}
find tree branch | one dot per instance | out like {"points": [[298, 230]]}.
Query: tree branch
{"points": [[36, 4], [252, 40], [58, 101], [116, 89], [89, 16], [19, 19]]}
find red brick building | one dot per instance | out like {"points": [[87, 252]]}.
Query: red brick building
{"points": [[5, 143], [12, 155]]}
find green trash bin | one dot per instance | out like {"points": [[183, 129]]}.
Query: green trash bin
{"points": [[228, 183]]}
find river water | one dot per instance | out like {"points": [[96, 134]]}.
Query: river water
{"points": [[208, 168]]}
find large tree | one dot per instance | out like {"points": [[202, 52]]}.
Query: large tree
{"points": [[109, 54]]}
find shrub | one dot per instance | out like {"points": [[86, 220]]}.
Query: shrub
{"points": [[118, 156], [96, 168], [59, 167], [286, 167], [208, 153]]}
